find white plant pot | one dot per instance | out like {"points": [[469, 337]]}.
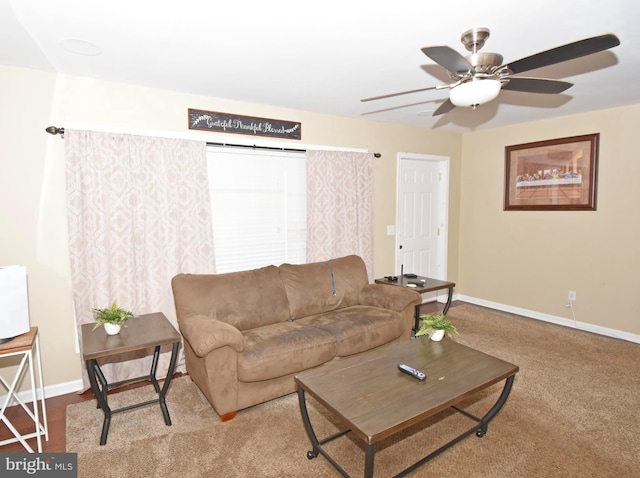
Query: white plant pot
{"points": [[437, 335], [112, 329]]}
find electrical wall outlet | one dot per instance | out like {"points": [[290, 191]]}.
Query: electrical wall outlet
{"points": [[572, 295]]}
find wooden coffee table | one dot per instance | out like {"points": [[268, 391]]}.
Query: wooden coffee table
{"points": [[375, 400]]}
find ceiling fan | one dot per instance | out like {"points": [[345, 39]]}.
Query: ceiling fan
{"points": [[479, 77]]}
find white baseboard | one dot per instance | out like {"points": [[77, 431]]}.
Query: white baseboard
{"points": [[532, 314], [49, 392]]}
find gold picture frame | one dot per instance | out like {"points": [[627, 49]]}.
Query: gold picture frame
{"points": [[554, 175]]}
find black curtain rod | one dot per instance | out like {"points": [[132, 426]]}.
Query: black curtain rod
{"points": [[55, 130], [272, 148]]}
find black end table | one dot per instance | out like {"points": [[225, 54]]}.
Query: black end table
{"points": [[142, 332], [421, 285]]}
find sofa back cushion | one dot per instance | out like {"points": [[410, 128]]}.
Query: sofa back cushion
{"points": [[245, 299], [309, 287]]}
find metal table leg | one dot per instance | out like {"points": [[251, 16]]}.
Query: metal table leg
{"points": [[416, 322], [369, 452], [154, 367], [484, 421], [315, 443], [167, 381], [448, 304], [95, 374], [101, 389]]}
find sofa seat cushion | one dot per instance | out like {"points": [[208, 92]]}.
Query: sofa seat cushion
{"points": [[280, 349], [359, 328]]}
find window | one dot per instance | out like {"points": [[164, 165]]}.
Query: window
{"points": [[258, 203]]}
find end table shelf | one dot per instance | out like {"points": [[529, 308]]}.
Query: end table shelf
{"points": [[142, 332]]}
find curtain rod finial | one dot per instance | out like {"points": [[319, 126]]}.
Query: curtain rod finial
{"points": [[55, 130]]}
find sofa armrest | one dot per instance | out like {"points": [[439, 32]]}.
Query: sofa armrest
{"points": [[206, 334], [389, 297]]}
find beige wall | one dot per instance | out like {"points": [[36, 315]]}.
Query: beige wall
{"points": [[527, 260], [32, 222], [32, 177], [531, 259]]}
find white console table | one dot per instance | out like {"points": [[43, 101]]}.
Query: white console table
{"points": [[25, 346]]}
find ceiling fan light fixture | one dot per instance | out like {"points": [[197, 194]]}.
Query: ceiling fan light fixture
{"points": [[474, 93]]}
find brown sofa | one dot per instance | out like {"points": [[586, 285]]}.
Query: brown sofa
{"points": [[246, 334]]}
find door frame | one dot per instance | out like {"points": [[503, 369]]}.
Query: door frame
{"points": [[443, 163]]}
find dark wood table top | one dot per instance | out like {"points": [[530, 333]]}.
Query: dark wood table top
{"points": [[141, 332], [422, 284], [376, 400]]}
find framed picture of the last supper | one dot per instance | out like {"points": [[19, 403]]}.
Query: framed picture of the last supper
{"points": [[554, 175]]}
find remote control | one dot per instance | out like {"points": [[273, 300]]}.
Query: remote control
{"points": [[411, 371]]}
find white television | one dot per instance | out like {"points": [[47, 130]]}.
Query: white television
{"points": [[14, 303]]}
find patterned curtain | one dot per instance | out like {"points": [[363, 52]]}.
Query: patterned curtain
{"points": [[340, 206], [138, 213]]}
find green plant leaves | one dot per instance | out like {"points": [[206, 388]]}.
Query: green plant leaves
{"points": [[431, 322], [113, 315]]}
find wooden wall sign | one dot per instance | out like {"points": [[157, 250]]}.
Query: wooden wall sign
{"points": [[251, 125]]}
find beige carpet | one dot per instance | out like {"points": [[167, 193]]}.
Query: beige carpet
{"points": [[573, 412]]}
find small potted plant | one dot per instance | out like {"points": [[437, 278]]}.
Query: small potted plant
{"points": [[435, 326], [112, 318]]}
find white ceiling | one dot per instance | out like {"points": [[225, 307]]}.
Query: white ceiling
{"points": [[325, 56]]}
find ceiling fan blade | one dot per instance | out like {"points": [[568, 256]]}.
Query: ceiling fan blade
{"points": [[390, 95], [444, 108], [536, 85], [564, 53], [449, 58]]}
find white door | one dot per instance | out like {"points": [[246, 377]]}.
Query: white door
{"points": [[423, 189]]}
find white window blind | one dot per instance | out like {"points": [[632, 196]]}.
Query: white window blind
{"points": [[258, 203]]}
